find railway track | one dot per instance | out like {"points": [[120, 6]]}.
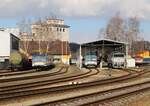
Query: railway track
{"points": [[5, 71], [23, 93], [10, 73], [25, 87], [14, 73], [101, 96], [30, 75], [34, 79], [121, 96]]}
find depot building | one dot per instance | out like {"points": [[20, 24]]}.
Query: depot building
{"points": [[103, 48]]}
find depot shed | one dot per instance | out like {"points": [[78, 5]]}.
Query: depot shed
{"points": [[103, 49]]}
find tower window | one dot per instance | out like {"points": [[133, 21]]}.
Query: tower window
{"points": [[63, 29], [33, 34], [50, 29]]}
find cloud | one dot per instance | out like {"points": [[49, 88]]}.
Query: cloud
{"points": [[131, 8], [74, 8]]}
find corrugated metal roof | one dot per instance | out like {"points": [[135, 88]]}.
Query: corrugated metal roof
{"points": [[106, 42]]}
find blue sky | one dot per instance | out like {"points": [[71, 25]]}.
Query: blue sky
{"points": [[85, 17], [88, 29], [85, 29]]}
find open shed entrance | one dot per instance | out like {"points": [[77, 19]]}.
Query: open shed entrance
{"points": [[103, 48]]}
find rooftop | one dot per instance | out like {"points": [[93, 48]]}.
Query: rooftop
{"points": [[106, 42]]}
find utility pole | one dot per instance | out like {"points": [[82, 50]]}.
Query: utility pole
{"points": [[80, 58], [62, 50], [102, 57], [126, 55]]}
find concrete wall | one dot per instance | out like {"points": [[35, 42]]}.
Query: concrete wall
{"points": [[8, 43], [62, 59], [4, 44], [64, 35]]}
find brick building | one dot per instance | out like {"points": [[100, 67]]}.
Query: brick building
{"points": [[51, 36]]}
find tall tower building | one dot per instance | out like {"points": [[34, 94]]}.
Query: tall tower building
{"points": [[55, 34], [51, 30]]}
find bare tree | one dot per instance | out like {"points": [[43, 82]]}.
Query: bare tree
{"points": [[25, 32], [44, 33], [24, 25], [133, 29], [102, 34], [25, 43], [132, 33], [115, 28], [123, 30]]}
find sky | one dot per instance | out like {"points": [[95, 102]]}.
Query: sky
{"points": [[85, 17]]}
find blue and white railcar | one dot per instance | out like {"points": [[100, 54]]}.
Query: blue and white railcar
{"points": [[118, 60], [41, 60], [90, 60]]}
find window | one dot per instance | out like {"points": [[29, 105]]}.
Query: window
{"points": [[14, 43], [50, 29], [33, 34], [57, 29], [63, 29]]}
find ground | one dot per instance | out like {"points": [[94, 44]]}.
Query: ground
{"points": [[141, 101]]}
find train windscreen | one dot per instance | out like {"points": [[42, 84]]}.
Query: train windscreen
{"points": [[118, 55]]}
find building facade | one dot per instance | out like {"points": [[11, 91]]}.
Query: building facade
{"points": [[8, 43], [51, 30], [51, 36]]}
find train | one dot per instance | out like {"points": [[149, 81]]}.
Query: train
{"points": [[138, 60], [90, 60], [142, 57], [41, 60], [141, 60], [19, 61], [117, 60]]}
